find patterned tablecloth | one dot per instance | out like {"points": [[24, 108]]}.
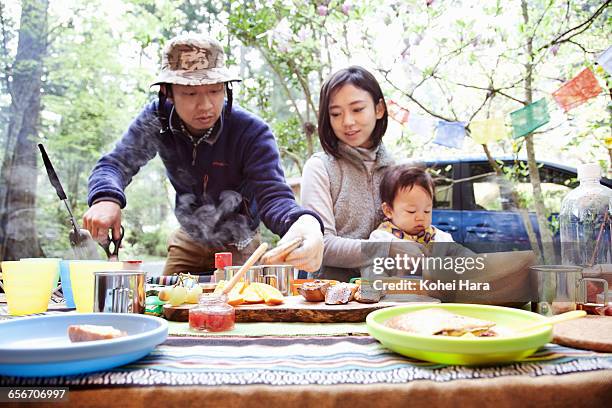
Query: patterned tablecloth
{"points": [[315, 360]]}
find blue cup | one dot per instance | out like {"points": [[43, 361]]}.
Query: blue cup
{"points": [[66, 286]]}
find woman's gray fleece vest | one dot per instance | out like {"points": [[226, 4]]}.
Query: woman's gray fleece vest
{"points": [[355, 198]]}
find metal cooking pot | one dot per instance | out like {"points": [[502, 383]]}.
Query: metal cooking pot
{"points": [[558, 288], [119, 292], [278, 276]]}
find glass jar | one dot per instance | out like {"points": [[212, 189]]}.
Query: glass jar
{"points": [[212, 314]]}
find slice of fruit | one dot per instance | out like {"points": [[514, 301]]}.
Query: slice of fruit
{"points": [[269, 294], [251, 295], [220, 286], [234, 297]]}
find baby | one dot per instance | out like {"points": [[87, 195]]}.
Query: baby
{"points": [[407, 195]]}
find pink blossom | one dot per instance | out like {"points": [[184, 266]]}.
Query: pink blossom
{"points": [[554, 49], [322, 10], [303, 34], [346, 8]]}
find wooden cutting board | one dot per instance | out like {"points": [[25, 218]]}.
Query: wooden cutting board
{"points": [[296, 309], [590, 332]]}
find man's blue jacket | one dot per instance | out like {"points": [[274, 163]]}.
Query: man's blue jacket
{"points": [[224, 185]]}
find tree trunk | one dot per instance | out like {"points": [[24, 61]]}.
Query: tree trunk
{"points": [[534, 174], [18, 236]]}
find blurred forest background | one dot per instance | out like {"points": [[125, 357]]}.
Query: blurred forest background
{"points": [[74, 73]]}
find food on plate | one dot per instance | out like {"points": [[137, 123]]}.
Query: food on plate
{"points": [[314, 291], [369, 295], [90, 332], [440, 322], [340, 294]]}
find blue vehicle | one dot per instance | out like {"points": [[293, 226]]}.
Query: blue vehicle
{"points": [[474, 204]]}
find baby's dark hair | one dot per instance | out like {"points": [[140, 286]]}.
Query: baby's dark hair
{"points": [[403, 176]]}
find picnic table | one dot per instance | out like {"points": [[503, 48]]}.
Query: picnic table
{"points": [[325, 365]]}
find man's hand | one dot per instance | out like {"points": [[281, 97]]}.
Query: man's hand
{"points": [[309, 255], [101, 217]]}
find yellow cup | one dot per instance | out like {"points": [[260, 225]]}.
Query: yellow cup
{"points": [[82, 281], [52, 260], [28, 285]]}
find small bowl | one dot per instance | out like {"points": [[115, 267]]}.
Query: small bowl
{"points": [[459, 350]]}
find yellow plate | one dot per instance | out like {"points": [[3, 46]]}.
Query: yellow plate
{"points": [[459, 350]]}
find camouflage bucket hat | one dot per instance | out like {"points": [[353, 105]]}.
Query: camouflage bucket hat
{"points": [[193, 59]]}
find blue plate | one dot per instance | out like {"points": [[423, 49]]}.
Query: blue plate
{"points": [[39, 346]]}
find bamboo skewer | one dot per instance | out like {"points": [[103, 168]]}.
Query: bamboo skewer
{"points": [[245, 267], [282, 250]]}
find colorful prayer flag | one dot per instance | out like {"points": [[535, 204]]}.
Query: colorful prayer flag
{"points": [[450, 134], [605, 60], [489, 130], [529, 118], [421, 125], [398, 113], [578, 90]]}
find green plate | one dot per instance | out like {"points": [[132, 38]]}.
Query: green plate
{"points": [[463, 351]]}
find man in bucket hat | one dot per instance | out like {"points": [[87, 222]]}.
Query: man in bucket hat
{"points": [[222, 161]]}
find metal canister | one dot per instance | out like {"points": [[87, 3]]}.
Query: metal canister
{"points": [[253, 274], [119, 291], [278, 276]]}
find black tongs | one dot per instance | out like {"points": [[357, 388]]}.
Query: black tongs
{"points": [[80, 239], [114, 254]]}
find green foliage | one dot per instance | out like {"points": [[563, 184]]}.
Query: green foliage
{"points": [[292, 143], [147, 244], [268, 236], [457, 60], [88, 104], [84, 110], [288, 38], [257, 93]]}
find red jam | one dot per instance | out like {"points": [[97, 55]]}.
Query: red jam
{"points": [[595, 309], [213, 314], [595, 300]]}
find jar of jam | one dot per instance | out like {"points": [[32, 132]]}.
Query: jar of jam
{"points": [[212, 314], [602, 305]]}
